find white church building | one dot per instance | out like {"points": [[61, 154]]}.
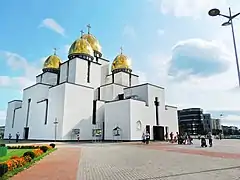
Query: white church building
{"points": [[87, 97]]}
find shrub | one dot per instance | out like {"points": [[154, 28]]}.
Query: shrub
{"points": [[29, 153], [27, 158], [37, 152], [52, 145], [2, 145], [44, 148], [3, 169], [3, 151]]}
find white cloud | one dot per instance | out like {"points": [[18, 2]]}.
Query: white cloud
{"points": [[53, 25], [216, 92], [17, 62], [2, 117], [184, 8], [129, 31], [160, 32], [198, 57]]}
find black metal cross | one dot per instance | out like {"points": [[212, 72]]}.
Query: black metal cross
{"points": [[156, 102]]}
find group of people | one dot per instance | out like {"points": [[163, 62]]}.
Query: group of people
{"points": [[145, 138], [17, 136], [204, 142]]}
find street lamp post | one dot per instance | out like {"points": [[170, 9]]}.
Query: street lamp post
{"points": [[216, 12], [55, 134]]}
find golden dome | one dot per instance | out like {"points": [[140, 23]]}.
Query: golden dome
{"points": [[80, 46], [121, 62], [52, 62], [93, 42]]}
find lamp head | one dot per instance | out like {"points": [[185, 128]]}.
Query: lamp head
{"points": [[226, 23], [214, 12]]}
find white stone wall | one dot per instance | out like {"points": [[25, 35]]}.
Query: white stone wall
{"points": [[55, 111], [140, 112], [110, 92], [117, 114], [49, 78], [63, 72], [9, 118], [171, 119], [78, 103], [140, 90]]}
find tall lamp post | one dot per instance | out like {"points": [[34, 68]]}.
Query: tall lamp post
{"points": [[230, 17], [55, 134]]}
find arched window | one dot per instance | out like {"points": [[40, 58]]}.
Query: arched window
{"points": [[139, 125]]}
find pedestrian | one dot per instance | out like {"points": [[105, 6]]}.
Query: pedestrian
{"points": [[9, 137], [171, 137], [78, 138], [143, 138], [147, 137], [210, 139], [17, 137]]}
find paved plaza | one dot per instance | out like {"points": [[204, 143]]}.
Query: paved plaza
{"points": [[134, 161]]}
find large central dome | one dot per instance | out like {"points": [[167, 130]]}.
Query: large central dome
{"points": [[93, 42], [80, 47]]}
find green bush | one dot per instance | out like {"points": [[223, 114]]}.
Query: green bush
{"points": [[29, 153], [44, 148], [2, 145], [53, 145], [3, 151], [3, 169]]}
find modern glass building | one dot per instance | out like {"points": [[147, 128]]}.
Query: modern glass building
{"points": [[191, 121]]}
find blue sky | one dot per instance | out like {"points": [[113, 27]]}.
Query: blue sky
{"points": [[171, 43]]}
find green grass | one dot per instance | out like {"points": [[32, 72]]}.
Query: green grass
{"points": [[16, 171], [13, 152]]}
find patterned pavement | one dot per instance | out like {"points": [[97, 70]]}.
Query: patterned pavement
{"points": [[168, 162]]}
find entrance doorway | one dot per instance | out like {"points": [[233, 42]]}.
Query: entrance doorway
{"points": [[26, 133], [158, 133]]}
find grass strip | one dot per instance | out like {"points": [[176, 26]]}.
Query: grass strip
{"points": [[26, 166]]}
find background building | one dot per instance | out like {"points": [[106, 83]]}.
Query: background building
{"points": [[207, 123], [191, 121]]}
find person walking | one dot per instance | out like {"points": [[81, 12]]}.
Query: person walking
{"points": [[143, 138], [147, 137], [210, 139], [9, 137], [17, 137]]}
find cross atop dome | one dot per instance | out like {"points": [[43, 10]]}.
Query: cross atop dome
{"points": [[121, 49], [82, 32], [89, 27], [54, 51]]}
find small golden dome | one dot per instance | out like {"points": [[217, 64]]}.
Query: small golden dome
{"points": [[93, 42], [52, 62], [121, 63], [81, 46]]}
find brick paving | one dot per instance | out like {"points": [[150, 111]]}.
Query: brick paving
{"points": [[131, 162], [62, 164]]}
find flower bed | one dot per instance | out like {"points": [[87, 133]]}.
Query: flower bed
{"points": [[16, 164]]}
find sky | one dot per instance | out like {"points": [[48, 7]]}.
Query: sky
{"points": [[172, 43]]}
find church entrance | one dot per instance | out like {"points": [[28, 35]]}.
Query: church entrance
{"points": [[26, 133], [158, 133]]}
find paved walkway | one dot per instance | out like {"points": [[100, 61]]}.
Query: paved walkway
{"points": [[62, 164], [132, 161]]}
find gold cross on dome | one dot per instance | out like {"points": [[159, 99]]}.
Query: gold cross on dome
{"points": [[89, 27], [54, 51], [121, 49], [82, 32]]}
